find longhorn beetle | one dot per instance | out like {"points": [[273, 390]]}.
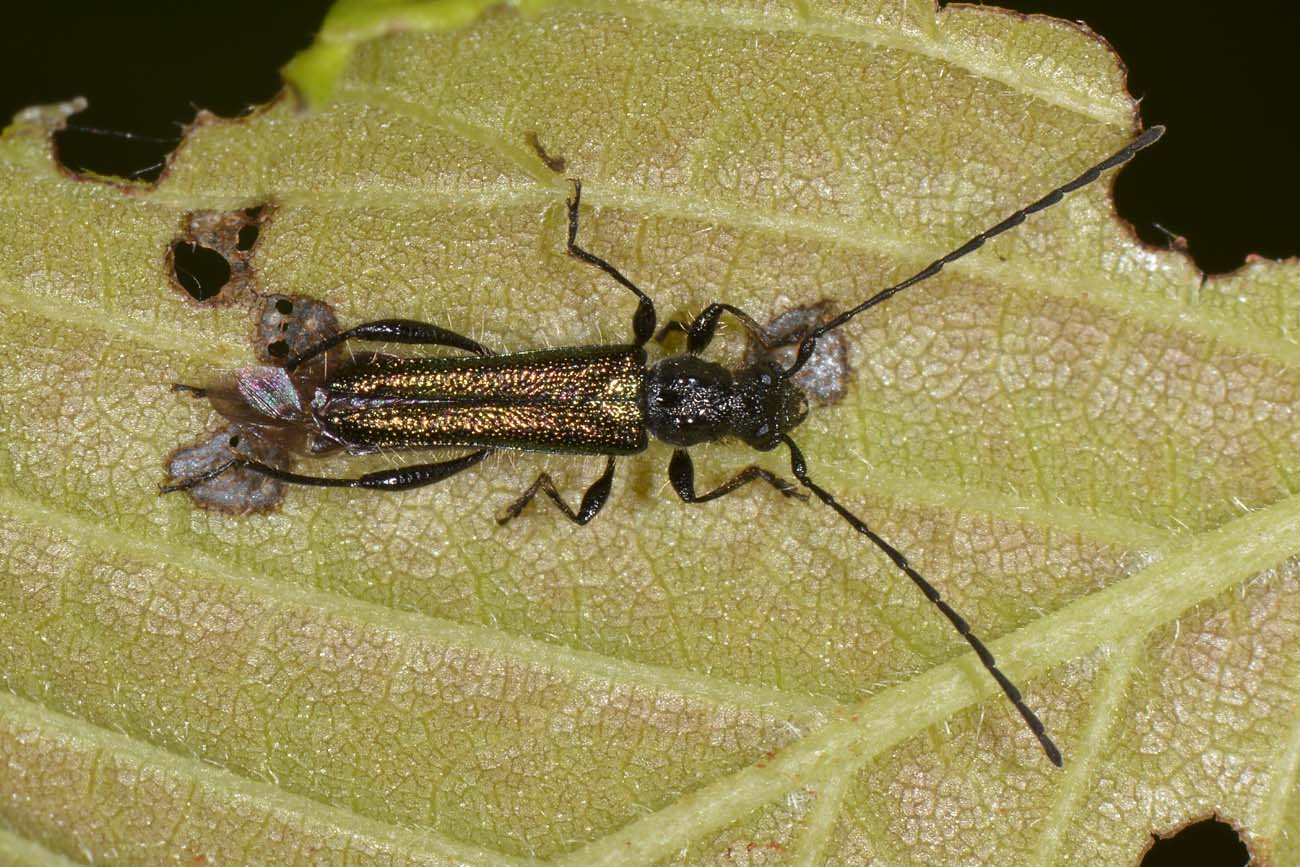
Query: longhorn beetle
{"points": [[600, 400]]}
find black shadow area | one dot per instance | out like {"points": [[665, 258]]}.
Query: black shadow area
{"points": [[1223, 78], [146, 68]]}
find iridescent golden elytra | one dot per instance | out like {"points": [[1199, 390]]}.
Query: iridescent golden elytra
{"points": [[600, 399], [576, 401]]}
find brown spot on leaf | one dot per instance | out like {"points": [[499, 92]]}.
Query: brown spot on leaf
{"points": [[237, 491], [211, 263], [554, 163], [289, 324], [826, 376]]}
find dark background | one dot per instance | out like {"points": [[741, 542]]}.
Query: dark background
{"points": [[1222, 77], [1225, 79]]}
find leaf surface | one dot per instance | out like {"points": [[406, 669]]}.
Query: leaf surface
{"points": [[1088, 448]]}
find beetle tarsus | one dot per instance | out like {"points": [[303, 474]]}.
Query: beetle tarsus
{"points": [[593, 500]]}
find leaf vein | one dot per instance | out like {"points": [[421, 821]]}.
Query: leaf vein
{"points": [[412, 624], [71, 735], [1089, 751], [720, 18]]}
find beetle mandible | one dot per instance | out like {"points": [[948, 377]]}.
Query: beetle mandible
{"points": [[599, 399]]}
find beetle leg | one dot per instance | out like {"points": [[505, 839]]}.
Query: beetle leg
{"points": [[672, 327], [592, 501], [391, 331], [681, 473], [700, 333], [643, 321], [397, 479]]}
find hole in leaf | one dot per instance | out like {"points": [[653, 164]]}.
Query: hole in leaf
{"points": [[291, 323], [201, 271], [117, 153], [1210, 843], [247, 237], [1230, 194]]}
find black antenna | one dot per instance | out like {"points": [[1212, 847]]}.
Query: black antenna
{"points": [[800, 470], [1120, 157]]}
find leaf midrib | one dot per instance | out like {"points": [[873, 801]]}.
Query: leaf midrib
{"points": [[1207, 565]]}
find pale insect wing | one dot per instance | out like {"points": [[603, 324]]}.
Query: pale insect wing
{"points": [[269, 392], [257, 395]]}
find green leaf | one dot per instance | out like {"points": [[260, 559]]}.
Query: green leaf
{"points": [[1090, 449]]}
